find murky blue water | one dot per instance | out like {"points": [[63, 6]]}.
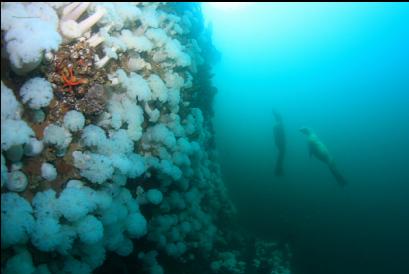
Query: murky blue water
{"points": [[343, 70]]}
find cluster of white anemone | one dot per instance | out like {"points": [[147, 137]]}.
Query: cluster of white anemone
{"points": [[121, 145]]}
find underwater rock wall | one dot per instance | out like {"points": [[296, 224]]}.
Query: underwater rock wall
{"points": [[106, 137]]}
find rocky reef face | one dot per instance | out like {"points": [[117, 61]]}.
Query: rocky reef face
{"points": [[108, 158]]}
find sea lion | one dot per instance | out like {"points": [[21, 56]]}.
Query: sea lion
{"points": [[320, 151], [279, 138]]}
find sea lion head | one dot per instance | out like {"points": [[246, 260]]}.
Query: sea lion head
{"points": [[306, 131]]}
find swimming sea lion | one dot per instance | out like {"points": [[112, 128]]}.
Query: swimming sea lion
{"points": [[320, 151], [279, 138]]}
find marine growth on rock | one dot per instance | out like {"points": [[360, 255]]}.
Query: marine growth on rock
{"points": [[120, 159]]}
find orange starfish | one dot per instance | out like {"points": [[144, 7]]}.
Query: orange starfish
{"points": [[72, 80]]}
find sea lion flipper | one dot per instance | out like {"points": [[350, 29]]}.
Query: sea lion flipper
{"points": [[310, 150], [337, 175]]}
